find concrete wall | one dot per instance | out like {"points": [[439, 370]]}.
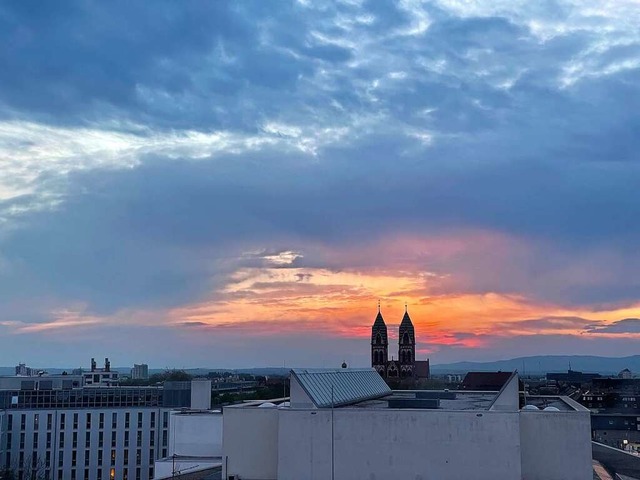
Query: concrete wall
{"points": [[297, 395], [555, 445], [195, 434], [201, 394], [250, 443], [408, 444]]}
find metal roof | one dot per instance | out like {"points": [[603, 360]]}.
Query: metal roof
{"points": [[349, 385]]}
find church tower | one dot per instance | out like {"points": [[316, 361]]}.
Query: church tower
{"points": [[379, 344], [406, 346]]}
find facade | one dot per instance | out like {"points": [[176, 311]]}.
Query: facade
{"points": [[140, 372], [86, 433], [405, 366], [376, 433]]}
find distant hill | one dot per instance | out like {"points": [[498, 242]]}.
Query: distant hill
{"points": [[547, 363]]}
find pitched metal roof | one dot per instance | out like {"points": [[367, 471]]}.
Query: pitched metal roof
{"points": [[349, 386]]}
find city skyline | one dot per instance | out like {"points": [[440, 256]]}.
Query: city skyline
{"points": [[239, 184]]}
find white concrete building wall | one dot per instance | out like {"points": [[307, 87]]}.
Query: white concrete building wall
{"points": [[201, 394], [555, 445], [299, 398], [195, 434], [250, 443], [383, 444]]}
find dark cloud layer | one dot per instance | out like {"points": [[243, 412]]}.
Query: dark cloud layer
{"points": [[344, 125]]}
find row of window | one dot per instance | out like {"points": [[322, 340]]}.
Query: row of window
{"points": [[62, 437], [126, 474], [88, 418], [35, 462]]}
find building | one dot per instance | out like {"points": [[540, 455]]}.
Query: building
{"points": [[140, 372], [572, 377], [23, 371], [195, 438], [626, 374], [100, 376], [57, 429], [485, 381], [406, 365], [347, 424]]}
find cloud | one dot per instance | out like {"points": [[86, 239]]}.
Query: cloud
{"points": [[620, 327], [186, 157]]}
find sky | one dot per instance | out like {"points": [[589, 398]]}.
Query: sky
{"points": [[237, 184]]}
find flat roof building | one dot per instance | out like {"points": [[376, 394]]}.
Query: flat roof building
{"points": [[347, 424]]}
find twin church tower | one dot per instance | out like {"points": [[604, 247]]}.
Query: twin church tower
{"points": [[406, 365]]}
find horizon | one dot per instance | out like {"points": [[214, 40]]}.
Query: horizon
{"points": [[242, 182]]}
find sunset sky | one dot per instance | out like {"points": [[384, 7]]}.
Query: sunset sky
{"points": [[237, 184]]}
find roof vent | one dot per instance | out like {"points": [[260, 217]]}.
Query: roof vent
{"points": [[530, 407], [551, 409]]}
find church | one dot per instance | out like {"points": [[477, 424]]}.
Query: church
{"points": [[406, 366]]}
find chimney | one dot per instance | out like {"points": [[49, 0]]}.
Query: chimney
{"points": [[107, 365], [93, 364]]}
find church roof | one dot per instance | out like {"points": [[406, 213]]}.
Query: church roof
{"points": [[406, 320], [379, 321]]}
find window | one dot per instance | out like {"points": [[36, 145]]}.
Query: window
{"points": [[87, 439], [139, 419], [152, 439], [73, 474], [125, 474], [35, 441], [138, 457], [75, 421], [88, 421], [100, 439], [86, 457], [34, 459], [23, 421], [138, 473], [36, 421], [164, 438], [9, 435], [126, 438], [112, 474], [86, 473], [165, 419], [60, 459], [101, 424], [127, 417], [151, 455], [126, 457], [48, 439], [74, 458], [9, 422], [99, 474], [7, 463], [22, 441], [75, 439], [150, 472], [139, 440], [62, 417], [153, 419], [99, 458], [114, 420], [47, 459], [113, 438], [113, 457], [49, 421], [61, 442]]}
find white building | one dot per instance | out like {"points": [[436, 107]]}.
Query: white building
{"points": [[348, 425], [140, 372], [86, 433], [100, 376]]}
